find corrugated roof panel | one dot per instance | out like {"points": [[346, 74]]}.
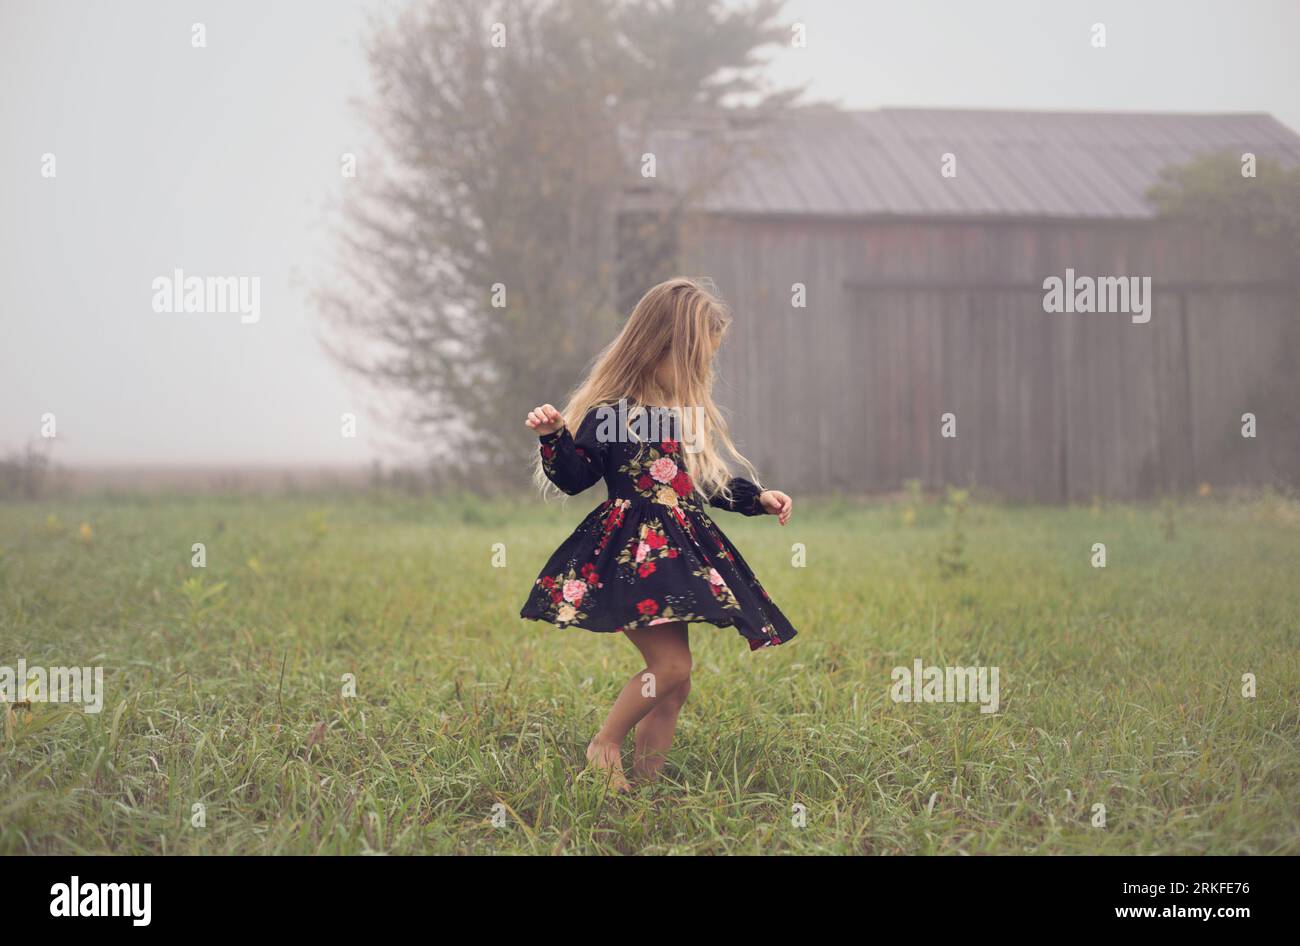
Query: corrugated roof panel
{"points": [[1024, 186], [978, 184], [1107, 179], [843, 174], [1071, 174], [887, 162], [1141, 169], [1045, 191], [914, 183], [1022, 190], [812, 177]]}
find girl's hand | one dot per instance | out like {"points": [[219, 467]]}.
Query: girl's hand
{"points": [[545, 420], [776, 503]]}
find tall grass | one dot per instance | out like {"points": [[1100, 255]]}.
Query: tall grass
{"points": [[225, 685]]}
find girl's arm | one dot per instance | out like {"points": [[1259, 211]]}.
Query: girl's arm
{"points": [[573, 463], [754, 501], [744, 498]]}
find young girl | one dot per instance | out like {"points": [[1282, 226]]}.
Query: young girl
{"points": [[648, 561]]}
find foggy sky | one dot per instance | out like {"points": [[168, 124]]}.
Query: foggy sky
{"points": [[225, 160]]}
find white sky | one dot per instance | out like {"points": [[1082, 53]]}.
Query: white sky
{"points": [[224, 160]]}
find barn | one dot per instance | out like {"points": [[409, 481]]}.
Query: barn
{"points": [[887, 272]]}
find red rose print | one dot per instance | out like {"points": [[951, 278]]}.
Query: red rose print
{"points": [[644, 482], [682, 484], [648, 606], [589, 573], [668, 446], [646, 570], [548, 582], [557, 596], [655, 540], [671, 553], [547, 451]]}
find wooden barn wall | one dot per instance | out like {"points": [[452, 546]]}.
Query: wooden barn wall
{"points": [[908, 320]]}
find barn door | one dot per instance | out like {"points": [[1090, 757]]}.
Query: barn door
{"points": [[988, 356]]}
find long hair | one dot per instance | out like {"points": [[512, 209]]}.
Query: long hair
{"points": [[664, 357]]}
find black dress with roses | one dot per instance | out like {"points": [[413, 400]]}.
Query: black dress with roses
{"points": [[648, 554]]}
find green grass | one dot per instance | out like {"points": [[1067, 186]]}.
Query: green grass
{"points": [[1119, 686]]}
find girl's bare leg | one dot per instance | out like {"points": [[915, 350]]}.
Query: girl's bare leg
{"points": [[654, 734], [667, 673]]}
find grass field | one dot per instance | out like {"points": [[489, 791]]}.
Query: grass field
{"points": [[1120, 686]]}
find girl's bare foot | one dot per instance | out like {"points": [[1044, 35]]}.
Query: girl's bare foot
{"points": [[607, 758]]}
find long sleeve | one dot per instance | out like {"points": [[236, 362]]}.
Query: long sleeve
{"points": [[573, 463], [744, 498]]}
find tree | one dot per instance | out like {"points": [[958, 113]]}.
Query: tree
{"points": [[478, 264], [1213, 192]]}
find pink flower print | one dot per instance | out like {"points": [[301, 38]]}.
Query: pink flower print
{"points": [[642, 550], [663, 470], [574, 590]]}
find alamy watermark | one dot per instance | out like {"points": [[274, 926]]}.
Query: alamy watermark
{"points": [[922, 684], [132, 900], [622, 424], [209, 294], [1129, 294], [24, 684]]}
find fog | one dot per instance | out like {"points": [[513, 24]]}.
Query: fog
{"points": [[225, 160]]}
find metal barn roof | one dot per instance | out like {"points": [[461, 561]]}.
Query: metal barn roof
{"points": [[1009, 163]]}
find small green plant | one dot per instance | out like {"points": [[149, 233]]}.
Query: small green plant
{"points": [[915, 499], [199, 599], [952, 554]]}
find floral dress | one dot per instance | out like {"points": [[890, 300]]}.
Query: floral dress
{"points": [[648, 554]]}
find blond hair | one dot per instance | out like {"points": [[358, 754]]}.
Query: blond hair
{"points": [[664, 357]]}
